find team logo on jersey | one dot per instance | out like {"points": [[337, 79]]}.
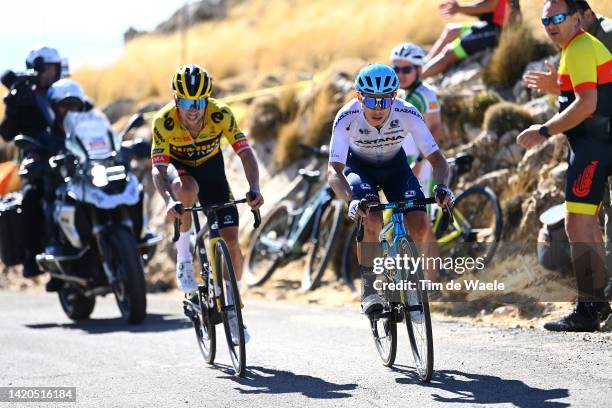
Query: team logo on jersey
{"points": [[394, 123], [433, 105], [582, 185], [364, 131], [169, 123], [365, 186], [217, 117]]}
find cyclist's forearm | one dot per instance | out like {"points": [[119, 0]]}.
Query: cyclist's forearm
{"points": [[162, 184], [251, 170], [441, 171], [338, 182]]}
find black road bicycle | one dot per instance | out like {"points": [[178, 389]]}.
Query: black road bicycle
{"points": [[212, 304]]}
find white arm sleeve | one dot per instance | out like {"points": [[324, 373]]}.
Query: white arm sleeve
{"points": [[421, 135], [339, 145]]}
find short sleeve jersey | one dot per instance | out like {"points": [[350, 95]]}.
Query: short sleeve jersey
{"points": [[173, 143]]}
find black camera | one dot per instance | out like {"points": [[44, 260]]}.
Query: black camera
{"points": [[11, 79]]}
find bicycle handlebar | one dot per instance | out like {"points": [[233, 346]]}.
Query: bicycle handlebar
{"points": [[212, 207], [405, 206]]}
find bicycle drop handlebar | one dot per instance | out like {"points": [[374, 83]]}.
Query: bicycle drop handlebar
{"points": [[402, 206], [213, 207]]}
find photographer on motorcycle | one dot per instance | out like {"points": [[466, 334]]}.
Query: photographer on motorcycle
{"points": [[28, 112]]}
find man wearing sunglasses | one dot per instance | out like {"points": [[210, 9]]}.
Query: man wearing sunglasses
{"points": [[407, 61], [187, 134], [458, 41], [585, 110], [601, 28], [370, 136]]}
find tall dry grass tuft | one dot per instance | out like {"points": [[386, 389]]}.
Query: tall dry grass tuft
{"points": [[514, 52]]}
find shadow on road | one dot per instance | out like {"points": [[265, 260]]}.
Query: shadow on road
{"points": [[485, 389], [262, 380], [153, 323]]}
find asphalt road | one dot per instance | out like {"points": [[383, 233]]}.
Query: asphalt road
{"points": [[299, 356]]}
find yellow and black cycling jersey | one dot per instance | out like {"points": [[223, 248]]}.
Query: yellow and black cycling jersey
{"points": [[586, 64], [173, 143]]}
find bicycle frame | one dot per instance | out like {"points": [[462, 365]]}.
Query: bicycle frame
{"points": [[313, 207]]}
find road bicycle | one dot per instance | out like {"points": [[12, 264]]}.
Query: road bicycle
{"points": [[211, 304], [311, 227], [475, 231], [404, 293]]}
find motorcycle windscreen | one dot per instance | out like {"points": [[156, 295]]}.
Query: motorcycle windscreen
{"points": [[89, 135]]}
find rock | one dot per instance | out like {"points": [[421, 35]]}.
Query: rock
{"points": [[523, 94], [192, 13], [118, 108], [265, 118], [466, 73], [505, 116], [509, 156], [506, 311], [541, 109], [496, 180], [559, 172], [131, 33]]}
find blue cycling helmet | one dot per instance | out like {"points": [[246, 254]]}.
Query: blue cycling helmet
{"points": [[376, 79]]}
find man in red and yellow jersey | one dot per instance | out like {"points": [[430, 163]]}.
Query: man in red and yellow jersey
{"points": [[187, 135], [585, 110]]}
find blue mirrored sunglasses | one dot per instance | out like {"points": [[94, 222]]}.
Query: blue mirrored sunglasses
{"points": [[556, 19], [186, 104], [377, 103]]}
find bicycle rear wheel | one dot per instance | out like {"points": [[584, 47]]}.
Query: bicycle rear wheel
{"points": [[477, 226], [265, 249], [205, 328], [231, 308], [320, 250], [417, 315]]}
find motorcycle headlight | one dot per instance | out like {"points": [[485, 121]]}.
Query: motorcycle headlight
{"points": [[98, 173]]}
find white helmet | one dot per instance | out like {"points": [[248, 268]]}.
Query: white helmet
{"points": [[65, 89], [42, 55], [409, 52]]}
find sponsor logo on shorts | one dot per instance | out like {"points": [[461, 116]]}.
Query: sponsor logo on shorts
{"points": [[409, 194], [582, 185], [227, 219], [365, 186]]}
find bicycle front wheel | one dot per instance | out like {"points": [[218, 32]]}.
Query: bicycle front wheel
{"points": [[321, 249], [384, 332], [416, 314], [265, 251], [231, 307]]}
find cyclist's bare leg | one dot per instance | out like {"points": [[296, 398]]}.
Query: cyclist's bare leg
{"points": [[368, 248], [230, 235], [185, 189], [419, 226], [450, 33]]}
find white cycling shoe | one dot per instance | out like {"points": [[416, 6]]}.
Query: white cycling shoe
{"points": [[233, 323], [185, 280]]}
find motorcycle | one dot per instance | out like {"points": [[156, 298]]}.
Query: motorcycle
{"points": [[101, 210]]}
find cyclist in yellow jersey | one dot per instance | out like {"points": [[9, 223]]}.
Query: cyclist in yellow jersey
{"points": [[585, 111], [187, 134]]}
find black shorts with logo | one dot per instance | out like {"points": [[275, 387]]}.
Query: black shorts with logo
{"points": [[395, 178], [590, 164], [213, 187]]}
